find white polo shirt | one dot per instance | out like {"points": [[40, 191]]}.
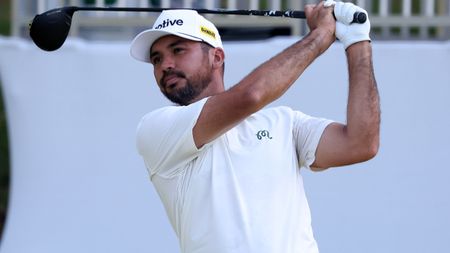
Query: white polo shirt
{"points": [[242, 192]]}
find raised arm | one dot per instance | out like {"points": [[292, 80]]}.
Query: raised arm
{"points": [[358, 140], [267, 82]]}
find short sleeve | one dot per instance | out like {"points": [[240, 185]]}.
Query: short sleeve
{"points": [[307, 131], [165, 140]]}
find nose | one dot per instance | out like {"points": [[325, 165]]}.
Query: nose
{"points": [[167, 63]]}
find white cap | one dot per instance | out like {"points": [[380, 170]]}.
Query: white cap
{"points": [[187, 24]]}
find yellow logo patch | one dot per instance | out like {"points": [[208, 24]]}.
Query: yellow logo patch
{"points": [[208, 32]]}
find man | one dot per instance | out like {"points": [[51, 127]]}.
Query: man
{"points": [[228, 170]]}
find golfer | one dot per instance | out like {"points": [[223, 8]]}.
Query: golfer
{"points": [[227, 169]]}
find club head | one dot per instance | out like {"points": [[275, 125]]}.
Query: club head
{"points": [[50, 29]]}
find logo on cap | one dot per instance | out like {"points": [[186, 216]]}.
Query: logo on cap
{"points": [[208, 32], [168, 22]]}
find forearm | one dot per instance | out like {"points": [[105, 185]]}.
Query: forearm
{"points": [[363, 110], [271, 79]]}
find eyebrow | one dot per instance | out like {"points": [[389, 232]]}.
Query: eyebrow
{"points": [[171, 45]]}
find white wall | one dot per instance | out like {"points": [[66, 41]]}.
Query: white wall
{"points": [[78, 184]]}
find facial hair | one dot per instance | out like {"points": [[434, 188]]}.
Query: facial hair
{"points": [[193, 88]]}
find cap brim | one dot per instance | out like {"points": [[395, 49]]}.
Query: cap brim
{"points": [[140, 46]]}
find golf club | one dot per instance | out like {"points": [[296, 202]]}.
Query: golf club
{"points": [[50, 29]]}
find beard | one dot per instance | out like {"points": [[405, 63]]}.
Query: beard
{"points": [[193, 88]]}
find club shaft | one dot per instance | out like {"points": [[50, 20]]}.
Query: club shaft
{"points": [[287, 14], [359, 17]]}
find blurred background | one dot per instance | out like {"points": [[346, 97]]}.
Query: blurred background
{"points": [[5, 30], [396, 20], [391, 19]]}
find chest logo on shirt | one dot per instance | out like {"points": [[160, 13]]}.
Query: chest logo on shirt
{"points": [[263, 134]]}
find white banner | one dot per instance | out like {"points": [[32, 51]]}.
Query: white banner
{"points": [[78, 184]]}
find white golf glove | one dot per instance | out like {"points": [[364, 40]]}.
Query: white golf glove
{"points": [[346, 31]]}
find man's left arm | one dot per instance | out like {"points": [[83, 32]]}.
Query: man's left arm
{"points": [[358, 140]]}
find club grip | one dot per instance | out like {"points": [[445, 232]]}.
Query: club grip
{"points": [[359, 17]]}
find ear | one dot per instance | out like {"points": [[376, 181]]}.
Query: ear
{"points": [[218, 58]]}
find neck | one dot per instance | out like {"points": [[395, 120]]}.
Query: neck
{"points": [[215, 87]]}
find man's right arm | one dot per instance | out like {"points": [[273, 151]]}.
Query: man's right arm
{"points": [[267, 82]]}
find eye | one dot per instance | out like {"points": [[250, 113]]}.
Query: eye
{"points": [[178, 50], [155, 60]]}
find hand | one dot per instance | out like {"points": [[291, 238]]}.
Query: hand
{"points": [[346, 31], [319, 17]]}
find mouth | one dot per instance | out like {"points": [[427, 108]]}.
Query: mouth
{"points": [[170, 82]]}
